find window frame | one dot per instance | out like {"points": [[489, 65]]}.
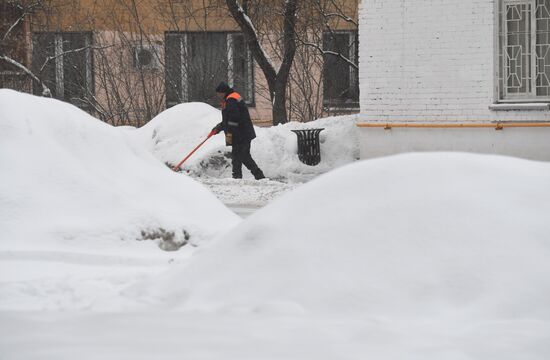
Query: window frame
{"points": [[501, 95], [248, 93]]}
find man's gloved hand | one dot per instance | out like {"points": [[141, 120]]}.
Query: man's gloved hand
{"points": [[216, 129]]}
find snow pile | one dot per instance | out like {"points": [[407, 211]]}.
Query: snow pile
{"points": [[176, 131], [453, 245], [277, 148], [70, 181]]}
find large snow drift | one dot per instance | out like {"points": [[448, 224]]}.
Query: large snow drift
{"points": [[453, 239], [176, 131], [69, 180]]}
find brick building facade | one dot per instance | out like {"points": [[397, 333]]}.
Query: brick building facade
{"points": [[427, 60], [462, 66]]}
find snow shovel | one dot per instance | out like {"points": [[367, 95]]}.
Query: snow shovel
{"points": [[177, 167]]}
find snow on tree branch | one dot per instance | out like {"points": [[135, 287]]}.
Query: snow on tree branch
{"points": [[339, 13], [13, 26], [252, 37], [328, 52], [45, 90], [49, 58], [343, 17]]}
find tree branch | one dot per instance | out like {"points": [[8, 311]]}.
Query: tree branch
{"points": [[49, 58], [341, 14], [251, 36], [13, 26], [333, 53], [343, 17], [45, 90], [24, 12]]}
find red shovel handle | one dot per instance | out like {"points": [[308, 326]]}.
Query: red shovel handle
{"points": [[177, 167]]}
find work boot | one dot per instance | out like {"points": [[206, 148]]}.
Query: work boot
{"points": [[258, 174], [237, 172]]}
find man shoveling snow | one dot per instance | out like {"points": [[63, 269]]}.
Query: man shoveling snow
{"points": [[238, 129]]}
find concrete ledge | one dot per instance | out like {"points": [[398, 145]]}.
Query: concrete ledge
{"points": [[529, 140], [519, 106], [495, 125]]}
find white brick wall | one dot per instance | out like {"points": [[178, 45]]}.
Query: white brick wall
{"points": [[430, 60]]}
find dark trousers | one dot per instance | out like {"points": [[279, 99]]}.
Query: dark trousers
{"points": [[240, 154]]}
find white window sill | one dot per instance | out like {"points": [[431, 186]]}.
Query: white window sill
{"points": [[519, 106], [342, 108]]}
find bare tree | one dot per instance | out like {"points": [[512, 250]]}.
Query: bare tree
{"points": [[297, 44], [131, 74], [328, 10], [276, 79], [12, 53], [285, 39], [325, 74], [45, 90]]}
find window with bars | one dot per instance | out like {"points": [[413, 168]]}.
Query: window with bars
{"points": [[340, 79], [524, 50], [64, 63], [197, 61]]}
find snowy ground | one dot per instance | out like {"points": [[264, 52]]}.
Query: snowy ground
{"points": [[409, 267], [174, 336], [176, 131], [418, 256], [244, 197]]}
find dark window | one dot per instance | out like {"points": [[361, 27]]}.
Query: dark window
{"points": [[340, 79], [206, 64], [64, 63], [197, 62]]}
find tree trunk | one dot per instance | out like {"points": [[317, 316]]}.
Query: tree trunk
{"points": [[289, 44], [279, 109], [277, 80]]}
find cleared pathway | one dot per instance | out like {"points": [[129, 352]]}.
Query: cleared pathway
{"points": [[246, 196]]}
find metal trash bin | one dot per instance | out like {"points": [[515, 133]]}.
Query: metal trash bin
{"points": [[309, 149]]}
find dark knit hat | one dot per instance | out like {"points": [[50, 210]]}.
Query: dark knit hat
{"points": [[222, 87]]}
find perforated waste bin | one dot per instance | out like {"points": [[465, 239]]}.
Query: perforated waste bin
{"points": [[309, 148]]}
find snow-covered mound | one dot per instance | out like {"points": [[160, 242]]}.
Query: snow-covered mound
{"points": [[176, 131], [417, 235], [276, 148], [70, 181], [433, 256]]}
